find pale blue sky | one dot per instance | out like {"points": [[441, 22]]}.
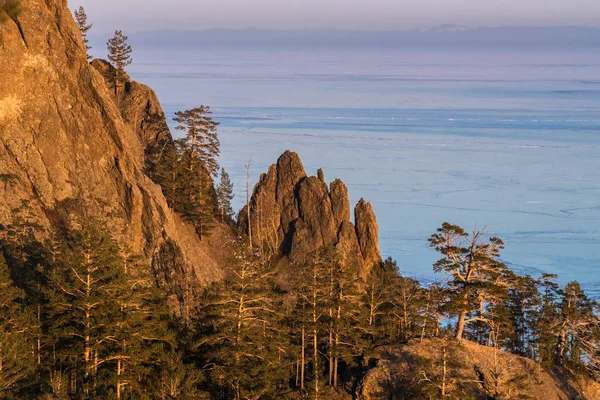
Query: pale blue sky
{"points": [[135, 15]]}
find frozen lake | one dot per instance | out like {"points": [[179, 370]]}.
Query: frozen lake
{"points": [[506, 140]]}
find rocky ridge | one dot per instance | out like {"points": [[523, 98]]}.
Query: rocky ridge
{"points": [[70, 148], [473, 371], [292, 214]]}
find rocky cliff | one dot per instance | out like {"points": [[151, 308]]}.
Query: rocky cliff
{"points": [[69, 148], [72, 150], [293, 214]]}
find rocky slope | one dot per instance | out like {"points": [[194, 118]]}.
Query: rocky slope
{"points": [[69, 148], [72, 150], [472, 372], [292, 214]]}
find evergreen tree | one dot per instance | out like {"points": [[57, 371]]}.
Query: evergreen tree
{"points": [[176, 380], [325, 321], [167, 173], [83, 308], [200, 136], [435, 300], [377, 303], [81, 20], [194, 194], [16, 361], [143, 335], [224, 196], [198, 150], [523, 303], [119, 53], [342, 311], [441, 377], [407, 302], [546, 321], [243, 343], [578, 329], [478, 278]]}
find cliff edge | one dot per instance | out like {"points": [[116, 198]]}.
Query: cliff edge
{"points": [[70, 149]]}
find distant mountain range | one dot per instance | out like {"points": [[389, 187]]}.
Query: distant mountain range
{"points": [[442, 36]]}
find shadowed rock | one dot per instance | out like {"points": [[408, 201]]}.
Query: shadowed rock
{"points": [[367, 232]]}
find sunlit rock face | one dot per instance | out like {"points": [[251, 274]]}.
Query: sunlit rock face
{"points": [[294, 215], [70, 149]]}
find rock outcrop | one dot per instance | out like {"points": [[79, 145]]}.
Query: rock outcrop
{"points": [[141, 110], [69, 147], [293, 215], [473, 371]]}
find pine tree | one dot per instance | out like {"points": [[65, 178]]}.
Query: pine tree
{"points": [[16, 361], [342, 313], [523, 303], [435, 300], [578, 329], [176, 380], [167, 173], [119, 53], [376, 322], [143, 334], [441, 375], [81, 20], [83, 307], [478, 278], [199, 150], [194, 195], [224, 196], [546, 321], [407, 301], [200, 136], [241, 338], [325, 316]]}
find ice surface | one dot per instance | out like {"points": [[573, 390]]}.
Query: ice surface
{"points": [[510, 141]]}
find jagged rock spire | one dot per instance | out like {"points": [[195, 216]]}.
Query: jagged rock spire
{"points": [[293, 215]]}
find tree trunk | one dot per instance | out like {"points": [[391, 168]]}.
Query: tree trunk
{"points": [[297, 371], [248, 205], [445, 371], [316, 359], [119, 378], [460, 325], [316, 368], [39, 335], [302, 357]]}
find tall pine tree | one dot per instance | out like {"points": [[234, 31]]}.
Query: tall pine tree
{"points": [[83, 307], [119, 53], [84, 27], [241, 337], [201, 137], [224, 196], [16, 361], [476, 274], [199, 149]]}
